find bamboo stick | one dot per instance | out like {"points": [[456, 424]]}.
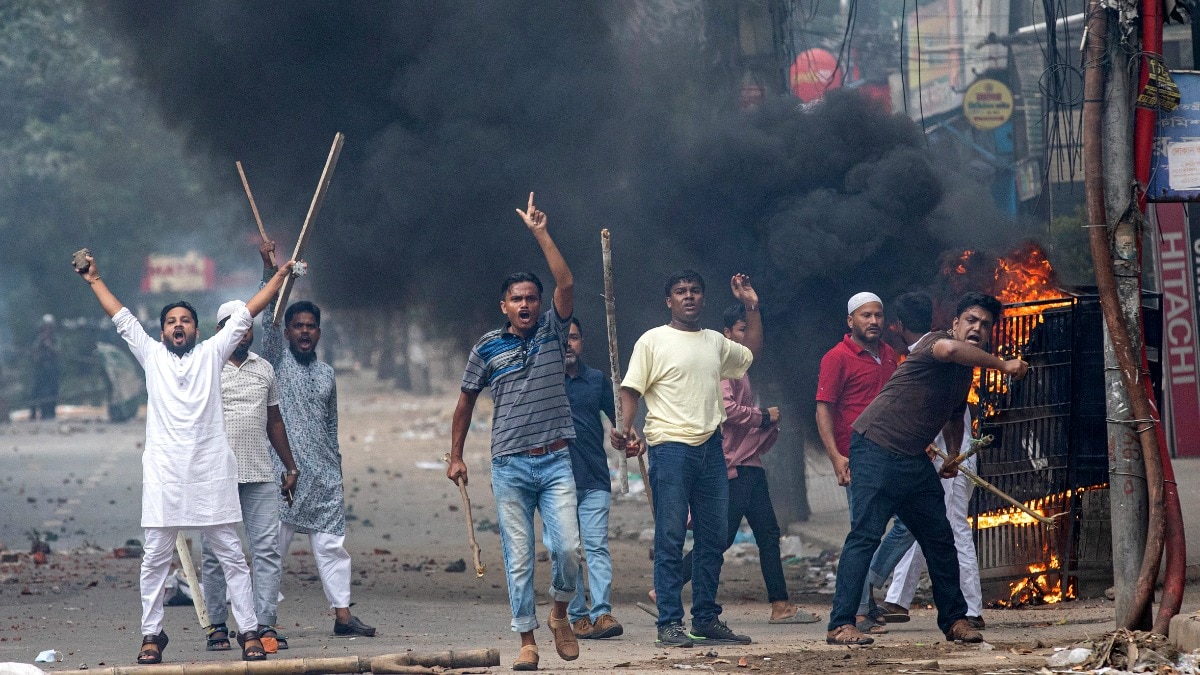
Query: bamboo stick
{"points": [[614, 357], [1050, 523], [253, 206], [476, 553], [313, 208], [385, 663]]}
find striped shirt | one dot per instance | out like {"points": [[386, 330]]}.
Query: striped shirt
{"points": [[526, 381]]}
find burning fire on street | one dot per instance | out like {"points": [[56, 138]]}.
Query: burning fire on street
{"points": [[1025, 282]]}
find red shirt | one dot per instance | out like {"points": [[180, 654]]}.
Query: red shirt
{"points": [[850, 379]]}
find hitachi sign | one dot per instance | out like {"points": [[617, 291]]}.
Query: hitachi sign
{"points": [[1177, 290]]}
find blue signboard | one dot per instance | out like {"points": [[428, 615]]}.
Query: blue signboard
{"points": [[1177, 144]]}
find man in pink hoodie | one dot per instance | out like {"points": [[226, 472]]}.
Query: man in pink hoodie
{"points": [[749, 431]]}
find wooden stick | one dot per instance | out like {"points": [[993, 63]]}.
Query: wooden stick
{"points": [[193, 579], [614, 357], [1050, 523], [646, 482], [975, 446], [313, 208], [253, 206], [384, 663], [476, 553]]}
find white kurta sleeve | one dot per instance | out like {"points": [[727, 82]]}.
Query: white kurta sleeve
{"points": [[226, 340], [129, 328]]}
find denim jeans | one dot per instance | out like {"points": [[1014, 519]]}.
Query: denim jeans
{"points": [[260, 516], [521, 484], [593, 531], [889, 484], [894, 547], [750, 498], [685, 477]]}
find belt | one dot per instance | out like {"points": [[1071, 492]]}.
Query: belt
{"points": [[545, 449]]}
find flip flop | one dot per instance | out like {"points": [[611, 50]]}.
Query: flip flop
{"points": [[800, 616]]}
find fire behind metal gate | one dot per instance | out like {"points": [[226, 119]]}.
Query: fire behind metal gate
{"points": [[1050, 452]]}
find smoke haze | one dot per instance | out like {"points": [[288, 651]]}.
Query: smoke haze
{"points": [[618, 114]]}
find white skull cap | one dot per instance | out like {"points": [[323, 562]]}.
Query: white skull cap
{"points": [[859, 299], [226, 310]]}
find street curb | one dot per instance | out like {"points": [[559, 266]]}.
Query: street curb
{"points": [[1184, 632]]}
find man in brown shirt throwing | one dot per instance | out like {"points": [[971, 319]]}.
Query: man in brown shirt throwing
{"points": [[893, 475]]}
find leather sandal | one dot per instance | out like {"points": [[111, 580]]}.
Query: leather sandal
{"points": [[528, 660], [252, 648], [152, 649], [218, 638], [847, 635]]}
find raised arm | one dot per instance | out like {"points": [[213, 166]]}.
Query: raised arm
{"points": [[967, 354], [564, 283], [745, 294], [108, 301], [269, 290]]}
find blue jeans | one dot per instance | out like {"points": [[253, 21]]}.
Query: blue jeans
{"points": [[889, 484], [685, 477], [897, 542], [593, 531], [260, 515], [521, 484]]}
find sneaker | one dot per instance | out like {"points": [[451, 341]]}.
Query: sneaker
{"points": [[673, 635], [582, 628], [961, 631], [353, 627], [605, 627], [717, 633]]}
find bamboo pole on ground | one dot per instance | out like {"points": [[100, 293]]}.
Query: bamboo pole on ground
{"points": [[385, 663]]}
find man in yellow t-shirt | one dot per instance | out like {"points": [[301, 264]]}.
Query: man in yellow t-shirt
{"points": [[678, 369]]}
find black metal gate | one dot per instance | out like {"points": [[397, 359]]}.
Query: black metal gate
{"points": [[1050, 452]]}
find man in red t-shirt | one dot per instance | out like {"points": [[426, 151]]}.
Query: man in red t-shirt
{"points": [[852, 374]]}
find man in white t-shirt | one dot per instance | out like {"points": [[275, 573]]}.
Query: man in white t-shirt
{"points": [[678, 369], [189, 473]]}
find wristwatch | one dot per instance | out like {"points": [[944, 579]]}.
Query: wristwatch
{"points": [[293, 472]]}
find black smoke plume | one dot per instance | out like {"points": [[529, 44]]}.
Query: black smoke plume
{"points": [[618, 114]]}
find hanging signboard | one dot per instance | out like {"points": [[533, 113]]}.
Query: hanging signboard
{"points": [[1175, 161], [1177, 250], [988, 104]]}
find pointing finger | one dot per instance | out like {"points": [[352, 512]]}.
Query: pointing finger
{"points": [[531, 201]]}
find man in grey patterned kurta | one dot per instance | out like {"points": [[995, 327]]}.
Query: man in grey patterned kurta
{"points": [[308, 401]]}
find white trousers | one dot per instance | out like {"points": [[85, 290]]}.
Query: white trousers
{"points": [[156, 564], [908, 571], [333, 562]]}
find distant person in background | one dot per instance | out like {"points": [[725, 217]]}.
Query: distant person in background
{"points": [[44, 357]]}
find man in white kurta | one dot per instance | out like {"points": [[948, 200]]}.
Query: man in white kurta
{"points": [[189, 472]]}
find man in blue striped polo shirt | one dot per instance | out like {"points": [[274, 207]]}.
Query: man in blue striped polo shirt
{"points": [[522, 365]]}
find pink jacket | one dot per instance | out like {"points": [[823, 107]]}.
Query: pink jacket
{"points": [[745, 439]]}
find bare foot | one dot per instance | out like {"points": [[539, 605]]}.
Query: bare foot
{"points": [[653, 596]]}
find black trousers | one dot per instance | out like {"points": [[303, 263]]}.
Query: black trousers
{"points": [[749, 498]]}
